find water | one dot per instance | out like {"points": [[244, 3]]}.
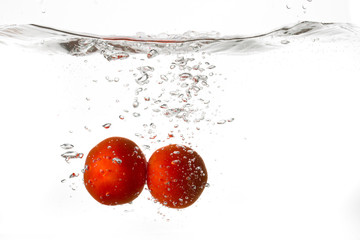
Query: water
{"points": [[274, 116]]}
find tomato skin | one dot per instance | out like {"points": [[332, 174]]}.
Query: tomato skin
{"points": [[115, 171], [176, 176]]}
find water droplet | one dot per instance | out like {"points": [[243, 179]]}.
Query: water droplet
{"points": [[147, 99], [67, 146], [64, 180], [207, 185], [146, 147], [221, 122], [176, 152], [164, 106], [152, 125], [135, 114], [121, 117], [211, 67], [107, 194], [152, 53], [107, 125], [231, 119]]}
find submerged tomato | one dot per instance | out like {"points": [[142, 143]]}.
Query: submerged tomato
{"points": [[115, 171], [176, 176]]}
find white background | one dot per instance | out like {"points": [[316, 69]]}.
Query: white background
{"points": [[314, 195]]}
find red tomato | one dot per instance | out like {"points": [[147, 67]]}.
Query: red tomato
{"points": [[176, 176], [115, 171]]}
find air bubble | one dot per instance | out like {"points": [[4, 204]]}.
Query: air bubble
{"points": [[175, 162], [73, 175], [145, 69], [231, 119], [152, 53], [163, 77], [146, 147], [116, 56], [67, 146], [185, 76], [164, 106], [71, 154], [144, 79], [135, 103]]}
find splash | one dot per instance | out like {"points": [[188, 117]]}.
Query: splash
{"points": [[121, 47]]}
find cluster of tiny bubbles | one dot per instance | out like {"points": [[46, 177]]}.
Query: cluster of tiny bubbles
{"points": [[182, 97], [163, 215]]}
